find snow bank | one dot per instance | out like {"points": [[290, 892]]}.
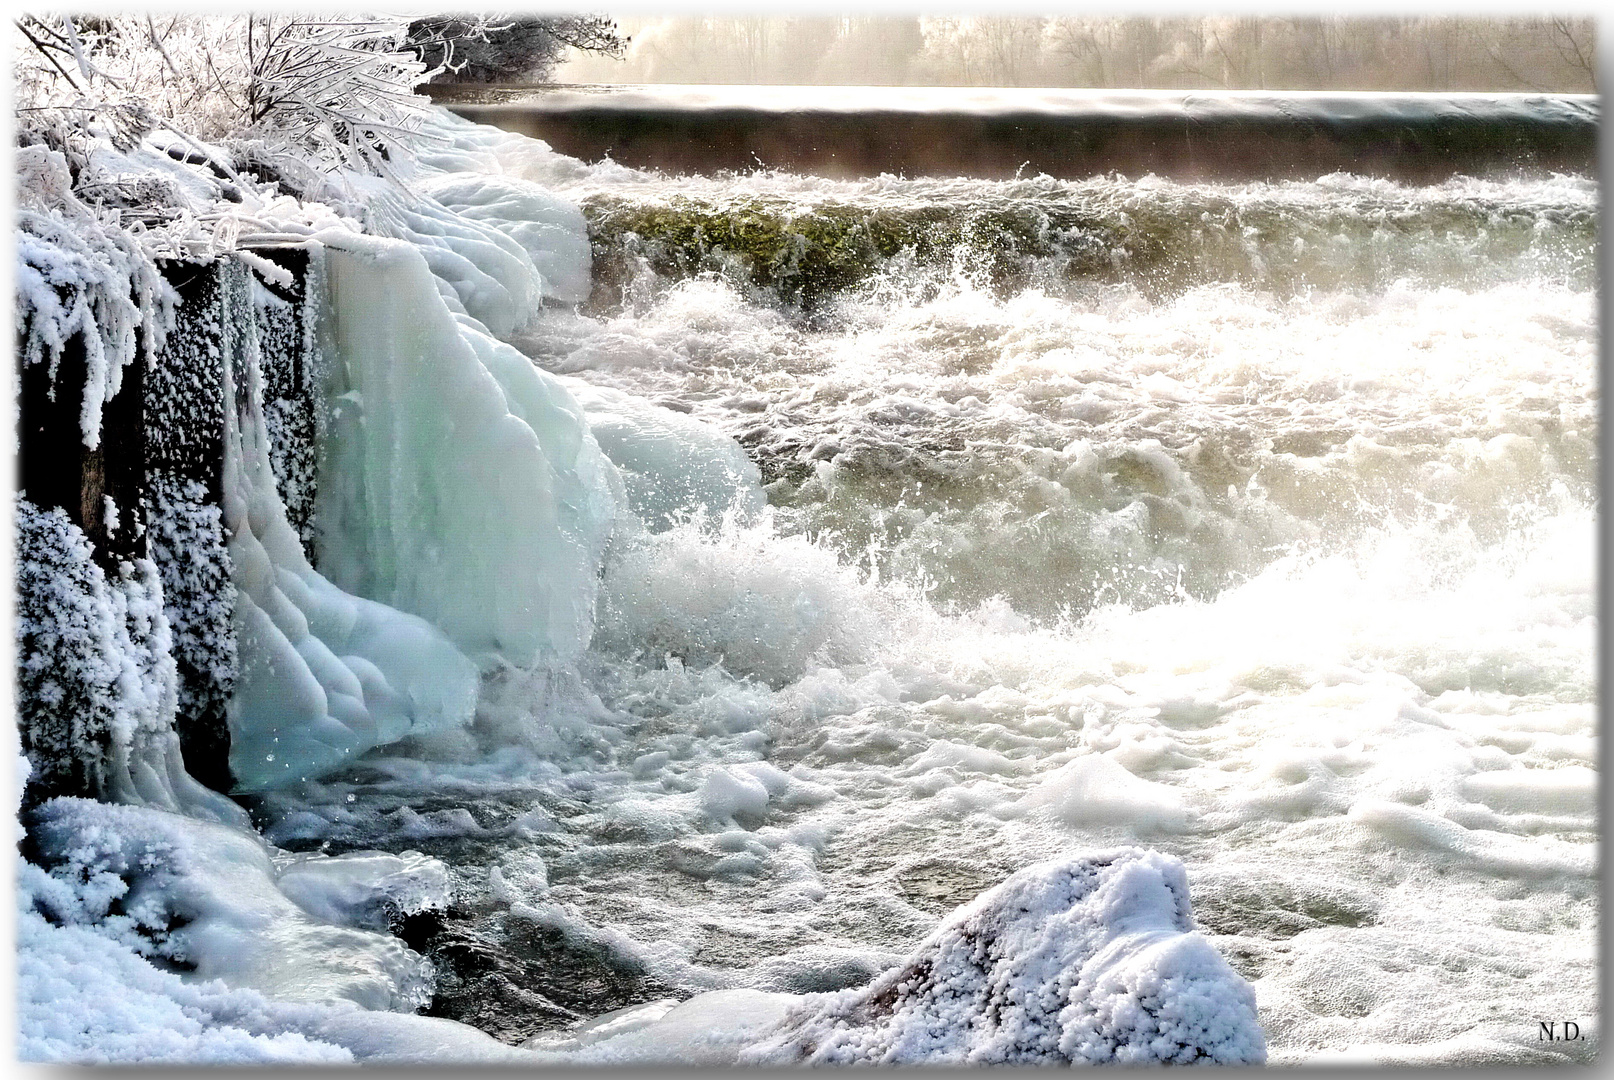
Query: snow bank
{"points": [[459, 483], [1088, 960], [134, 893], [205, 896], [86, 999]]}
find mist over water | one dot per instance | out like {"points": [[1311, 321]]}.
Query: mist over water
{"points": [[1252, 523]]}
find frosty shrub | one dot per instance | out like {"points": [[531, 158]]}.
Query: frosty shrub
{"points": [[79, 275], [515, 49], [333, 92]]}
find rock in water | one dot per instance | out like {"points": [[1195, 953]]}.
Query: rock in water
{"points": [[1090, 959]]}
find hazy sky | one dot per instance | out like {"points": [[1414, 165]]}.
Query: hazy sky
{"points": [[1309, 51]]}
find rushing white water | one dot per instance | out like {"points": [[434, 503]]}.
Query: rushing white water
{"points": [[1288, 573], [1253, 525]]}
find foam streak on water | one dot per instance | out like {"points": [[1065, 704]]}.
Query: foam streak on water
{"points": [[1272, 549]]}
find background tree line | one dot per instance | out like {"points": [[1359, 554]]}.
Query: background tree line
{"points": [[1445, 52]]}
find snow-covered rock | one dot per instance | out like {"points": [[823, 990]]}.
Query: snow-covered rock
{"points": [[95, 675], [1090, 959]]}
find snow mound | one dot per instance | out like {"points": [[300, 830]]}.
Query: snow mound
{"points": [[550, 230], [209, 897], [671, 464], [1085, 960]]}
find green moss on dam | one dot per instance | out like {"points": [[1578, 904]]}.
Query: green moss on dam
{"points": [[803, 254], [806, 254]]}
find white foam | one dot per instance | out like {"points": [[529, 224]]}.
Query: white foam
{"points": [[1095, 791], [673, 465]]}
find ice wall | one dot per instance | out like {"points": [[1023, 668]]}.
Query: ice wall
{"points": [[323, 675], [459, 482]]}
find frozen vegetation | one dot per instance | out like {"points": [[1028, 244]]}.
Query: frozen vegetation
{"points": [[738, 678], [94, 658]]}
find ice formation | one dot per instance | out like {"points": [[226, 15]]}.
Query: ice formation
{"points": [[672, 464], [324, 675], [1086, 960], [79, 275], [206, 896], [463, 483], [479, 271], [551, 231], [156, 938]]}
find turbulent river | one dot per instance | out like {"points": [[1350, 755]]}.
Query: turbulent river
{"points": [[1254, 524]]}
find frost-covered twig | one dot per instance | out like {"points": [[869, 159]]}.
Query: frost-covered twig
{"points": [[81, 276]]}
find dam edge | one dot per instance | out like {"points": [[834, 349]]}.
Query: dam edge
{"points": [[850, 132]]}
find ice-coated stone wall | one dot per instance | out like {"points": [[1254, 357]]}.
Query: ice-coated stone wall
{"points": [[147, 500], [326, 400]]}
